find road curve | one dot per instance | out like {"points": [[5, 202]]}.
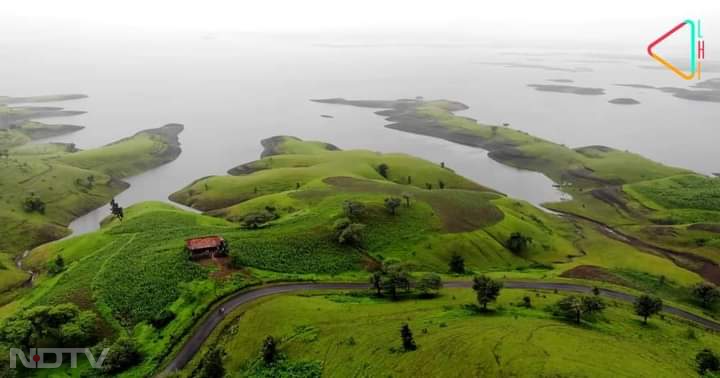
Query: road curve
{"points": [[193, 344]]}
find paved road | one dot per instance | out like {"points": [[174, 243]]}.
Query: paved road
{"points": [[193, 344]]}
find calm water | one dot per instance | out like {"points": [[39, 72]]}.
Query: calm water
{"points": [[232, 91]]}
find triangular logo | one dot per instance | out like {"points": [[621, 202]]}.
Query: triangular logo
{"points": [[664, 62]]}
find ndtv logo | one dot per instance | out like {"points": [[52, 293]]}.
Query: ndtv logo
{"points": [[697, 50], [37, 359]]}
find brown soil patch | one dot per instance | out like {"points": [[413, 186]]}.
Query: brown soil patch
{"points": [[708, 227], [595, 273], [458, 210], [222, 264]]}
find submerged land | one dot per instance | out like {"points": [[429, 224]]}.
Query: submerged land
{"points": [[311, 211]]}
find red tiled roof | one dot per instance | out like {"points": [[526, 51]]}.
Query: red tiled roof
{"points": [[204, 242]]}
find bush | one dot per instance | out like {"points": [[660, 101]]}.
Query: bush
{"points": [[707, 361], [123, 354], [162, 319], [518, 243], [429, 284]]}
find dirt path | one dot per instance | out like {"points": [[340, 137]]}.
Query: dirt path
{"points": [[203, 331]]}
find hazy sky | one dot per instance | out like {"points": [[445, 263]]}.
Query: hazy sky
{"points": [[621, 21]]}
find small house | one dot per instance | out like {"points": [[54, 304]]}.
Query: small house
{"points": [[206, 246]]}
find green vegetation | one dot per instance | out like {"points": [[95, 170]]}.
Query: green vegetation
{"points": [[351, 334], [45, 187], [635, 195]]}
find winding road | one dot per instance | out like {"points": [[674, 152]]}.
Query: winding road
{"points": [[203, 331]]}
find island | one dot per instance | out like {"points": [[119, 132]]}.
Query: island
{"points": [[571, 89], [624, 101]]}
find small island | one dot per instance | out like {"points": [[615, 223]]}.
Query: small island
{"points": [[624, 101], [571, 89]]}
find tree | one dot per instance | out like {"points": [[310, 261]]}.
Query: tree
{"points": [[269, 350], [376, 279], [706, 293], [353, 209], [211, 365], [123, 354], [527, 302], [707, 361], [34, 204], [428, 186], [441, 184], [348, 232], [392, 203], [518, 243], [574, 307], [457, 264], [383, 170], [409, 180], [116, 209], [407, 338], [56, 266], [647, 306], [429, 284], [396, 277], [407, 197], [486, 289]]}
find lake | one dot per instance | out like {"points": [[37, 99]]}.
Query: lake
{"points": [[232, 90]]}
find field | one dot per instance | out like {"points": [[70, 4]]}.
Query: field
{"points": [[70, 183], [133, 269], [359, 335]]}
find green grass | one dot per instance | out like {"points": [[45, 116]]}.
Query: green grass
{"points": [[10, 276], [59, 177], [356, 335]]}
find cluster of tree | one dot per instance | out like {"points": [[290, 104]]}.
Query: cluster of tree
{"points": [[33, 203], [162, 319], [348, 230], [62, 325], [56, 266], [576, 308], [256, 220], [116, 209], [391, 278]]}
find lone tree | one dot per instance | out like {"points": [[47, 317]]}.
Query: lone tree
{"points": [[574, 307], [486, 289], [407, 197], [707, 361], [429, 284], [33, 203], [348, 232], [382, 169], [441, 184], [392, 203], [269, 350], [116, 209], [407, 338], [647, 306], [212, 364], [457, 264], [353, 209], [56, 266], [518, 243], [706, 293], [376, 280]]}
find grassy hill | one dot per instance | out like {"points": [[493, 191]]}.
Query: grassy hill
{"points": [[130, 271], [669, 207], [341, 335], [70, 182]]}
